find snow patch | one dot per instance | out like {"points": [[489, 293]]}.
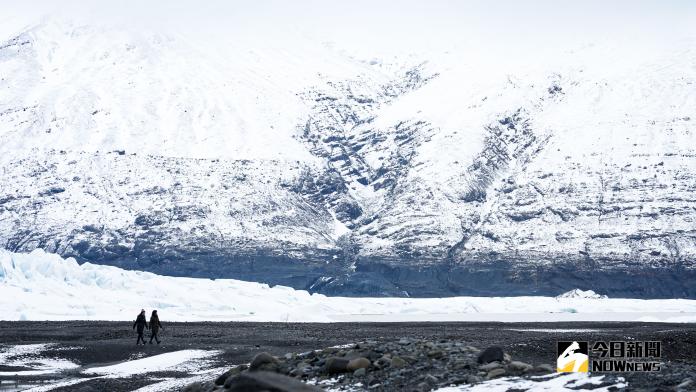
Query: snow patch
{"points": [[577, 293], [169, 361], [557, 383], [553, 330], [29, 356]]}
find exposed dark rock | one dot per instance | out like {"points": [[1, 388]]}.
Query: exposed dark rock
{"points": [[52, 191], [392, 366], [230, 373], [491, 354], [197, 387], [263, 361], [336, 365], [496, 373], [358, 363], [267, 381], [148, 220]]}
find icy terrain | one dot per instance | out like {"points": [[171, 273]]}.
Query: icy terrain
{"points": [[564, 382], [295, 162], [44, 360], [44, 286]]}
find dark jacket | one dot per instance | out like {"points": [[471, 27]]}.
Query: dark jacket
{"points": [[140, 322], [155, 324]]}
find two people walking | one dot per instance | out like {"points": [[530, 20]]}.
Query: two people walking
{"points": [[154, 327]]}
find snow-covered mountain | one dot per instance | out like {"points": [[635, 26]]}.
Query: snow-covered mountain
{"points": [[299, 163]]}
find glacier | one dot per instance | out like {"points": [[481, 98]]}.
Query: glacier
{"points": [[294, 162], [44, 286]]}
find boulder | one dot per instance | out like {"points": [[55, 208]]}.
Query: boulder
{"points": [[194, 387], [398, 362], [436, 354], [358, 363], [546, 368], [495, 373], [336, 365], [224, 376], [490, 366], [520, 366], [263, 361], [267, 381], [492, 354]]}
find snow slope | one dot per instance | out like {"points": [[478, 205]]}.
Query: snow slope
{"points": [[44, 286], [292, 161], [102, 88]]}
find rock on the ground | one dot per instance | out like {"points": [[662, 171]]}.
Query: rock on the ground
{"points": [[398, 362], [491, 354], [685, 385], [267, 381], [520, 366], [336, 365], [490, 366], [263, 361], [545, 367], [232, 372], [358, 363], [495, 373], [406, 364]]}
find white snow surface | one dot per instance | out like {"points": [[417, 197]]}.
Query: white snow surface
{"points": [[29, 356], [39, 358], [96, 87], [577, 293], [155, 363], [43, 286], [554, 383]]}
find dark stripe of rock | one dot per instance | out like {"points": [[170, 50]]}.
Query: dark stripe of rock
{"points": [[403, 365]]}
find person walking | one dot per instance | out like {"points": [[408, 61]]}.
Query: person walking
{"points": [[155, 326], [141, 323]]}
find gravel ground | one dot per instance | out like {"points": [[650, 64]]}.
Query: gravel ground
{"points": [[103, 343]]}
